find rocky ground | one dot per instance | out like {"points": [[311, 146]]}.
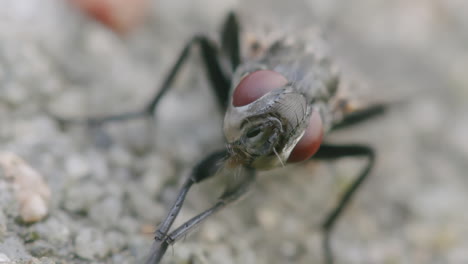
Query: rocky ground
{"points": [[109, 186]]}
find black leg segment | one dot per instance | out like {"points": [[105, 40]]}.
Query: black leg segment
{"points": [[209, 53], [219, 81], [205, 169], [361, 115], [230, 40], [330, 152]]}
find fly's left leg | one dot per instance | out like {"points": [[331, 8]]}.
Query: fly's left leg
{"points": [[331, 152]]}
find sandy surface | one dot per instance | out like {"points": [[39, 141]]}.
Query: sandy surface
{"points": [[110, 186]]}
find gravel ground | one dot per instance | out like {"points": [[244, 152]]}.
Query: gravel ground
{"points": [[110, 186]]}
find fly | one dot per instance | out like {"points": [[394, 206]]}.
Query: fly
{"points": [[280, 100]]}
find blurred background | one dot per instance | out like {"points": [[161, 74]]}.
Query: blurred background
{"points": [[110, 186]]}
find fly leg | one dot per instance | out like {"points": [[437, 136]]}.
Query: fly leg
{"points": [[230, 40], [331, 152], [205, 169], [362, 115], [219, 80]]}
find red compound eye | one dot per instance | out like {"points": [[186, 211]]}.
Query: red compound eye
{"points": [[310, 141], [255, 85]]}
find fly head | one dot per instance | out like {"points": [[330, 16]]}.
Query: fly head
{"points": [[262, 133]]}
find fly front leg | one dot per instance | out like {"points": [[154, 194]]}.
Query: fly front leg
{"points": [[331, 152], [204, 170]]}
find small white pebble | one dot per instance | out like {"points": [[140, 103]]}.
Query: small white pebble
{"points": [[4, 258], [33, 209], [31, 191]]}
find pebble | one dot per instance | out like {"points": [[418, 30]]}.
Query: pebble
{"points": [[4, 258], [15, 94], [214, 233], [68, 104], [106, 212], [98, 165], [456, 135], [31, 190], [143, 205], [120, 16], [115, 241], [13, 248], [80, 197], [129, 225], [76, 166], [41, 248], [33, 208], [267, 217], [90, 244], [3, 225], [120, 157], [56, 230], [158, 170], [43, 260], [289, 249]]}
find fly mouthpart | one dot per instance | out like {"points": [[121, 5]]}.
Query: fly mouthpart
{"points": [[236, 157]]}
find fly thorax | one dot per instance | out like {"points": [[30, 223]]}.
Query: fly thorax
{"points": [[263, 133]]}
